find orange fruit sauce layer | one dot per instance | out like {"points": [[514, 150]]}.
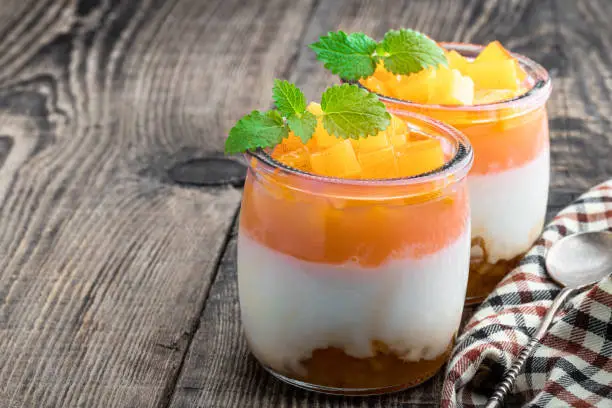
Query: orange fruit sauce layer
{"points": [[334, 223], [502, 138]]}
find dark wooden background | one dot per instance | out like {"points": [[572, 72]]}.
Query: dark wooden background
{"points": [[117, 283]]}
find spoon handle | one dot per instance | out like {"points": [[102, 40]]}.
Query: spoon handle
{"points": [[506, 385]]}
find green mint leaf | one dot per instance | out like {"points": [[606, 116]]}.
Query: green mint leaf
{"points": [[288, 98], [349, 56], [407, 51], [303, 126], [353, 112], [257, 129]]}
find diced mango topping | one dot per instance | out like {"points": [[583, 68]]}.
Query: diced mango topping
{"points": [[457, 61], [419, 157], [376, 85], [495, 75], [452, 88], [493, 52], [416, 87], [460, 83], [397, 132], [378, 164], [289, 144], [367, 144], [338, 160], [383, 74], [299, 159], [394, 152]]}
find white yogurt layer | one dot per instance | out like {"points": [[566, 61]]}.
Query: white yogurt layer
{"points": [[508, 207], [291, 307]]}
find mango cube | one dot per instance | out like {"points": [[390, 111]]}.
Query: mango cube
{"points": [[322, 139], [382, 74], [338, 160], [398, 139], [419, 157], [458, 62], [289, 144], [452, 88], [416, 87], [397, 126], [378, 164], [494, 51], [397, 132], [375, 85], [298, 159], [366, 144], [495, 75]]}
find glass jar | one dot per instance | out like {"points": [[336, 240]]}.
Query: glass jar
{"points": [[355, 286], [509, 180]]}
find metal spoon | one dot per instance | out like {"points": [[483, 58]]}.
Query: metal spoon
{"points": [[574, 262]]}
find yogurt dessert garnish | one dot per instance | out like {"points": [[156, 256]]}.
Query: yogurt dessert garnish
{"points": [[497, 100], [354, 237]]}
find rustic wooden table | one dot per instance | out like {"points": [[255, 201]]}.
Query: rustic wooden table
{"points": [[117, 276]]}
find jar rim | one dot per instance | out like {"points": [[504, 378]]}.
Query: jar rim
{"points": [[537, 95], [457, 166]]}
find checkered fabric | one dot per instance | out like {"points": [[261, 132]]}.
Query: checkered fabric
{"points": [[572, 367]]}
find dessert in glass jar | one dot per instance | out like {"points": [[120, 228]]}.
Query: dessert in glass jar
{"points": [[353, 254], [497, 99]]}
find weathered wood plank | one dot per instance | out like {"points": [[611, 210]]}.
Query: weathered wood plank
{"points": [[106, 262], [219, 371], [581, 106]]}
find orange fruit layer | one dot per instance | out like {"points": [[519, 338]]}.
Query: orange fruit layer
{"points": [[321, 222], [394, 152], [502, 139]]}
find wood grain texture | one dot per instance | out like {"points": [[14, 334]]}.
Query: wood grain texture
{"points": [[581, 106], [106, 264], [219, 371]]}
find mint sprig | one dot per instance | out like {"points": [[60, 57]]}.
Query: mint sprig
{"points": [[407, 51], [348, 112], [303, 126], [288, 98], [346, 55], [353, 112], [291, 103], [257, 129], [354, 56]]}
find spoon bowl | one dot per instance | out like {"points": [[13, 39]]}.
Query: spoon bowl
{"points": [[581, 259]]}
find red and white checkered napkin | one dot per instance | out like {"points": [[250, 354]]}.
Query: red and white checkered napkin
{"points": [[573, 365]]}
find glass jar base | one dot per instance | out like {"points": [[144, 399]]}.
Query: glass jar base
{"points": [[484, 274], [364, 392]]}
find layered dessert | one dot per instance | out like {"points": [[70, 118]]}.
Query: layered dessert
{"points": [[353, 255], [497, 99]]}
